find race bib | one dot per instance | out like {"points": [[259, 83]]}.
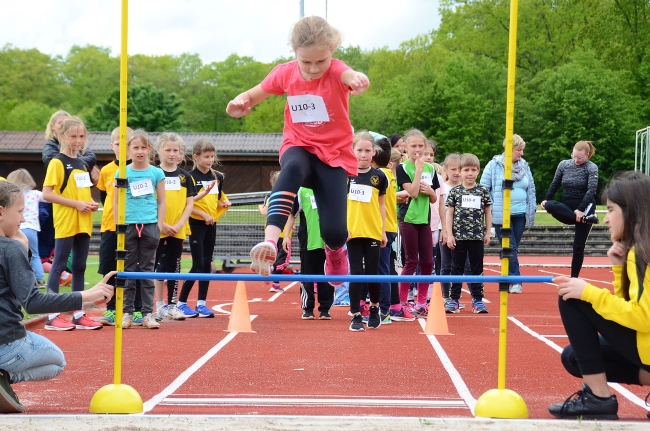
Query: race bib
{"points": [[313, 202], [141, 188], [215, 189], [469, 201], [426, 178], [307, 108], [82, 180], [172, 183], [360, 193]]}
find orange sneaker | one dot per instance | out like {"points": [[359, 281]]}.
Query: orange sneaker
{"points": [[85, 322], [59, 323]]}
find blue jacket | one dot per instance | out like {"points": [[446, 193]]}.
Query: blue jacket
{"points": [[492, 178]]}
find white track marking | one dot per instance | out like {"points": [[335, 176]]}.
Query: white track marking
{"points": [[340, 402], [219, 309], [185, 375], [548, 265], [588, 279], [618, 388], [274, 297], [456, 379]]}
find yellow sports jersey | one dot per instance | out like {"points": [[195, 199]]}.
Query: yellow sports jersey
{"points": [[69, 178], [178, 187], [391, 201], [209, 203], [106, 183], [364, 216]]}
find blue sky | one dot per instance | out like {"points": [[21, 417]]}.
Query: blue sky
{"points": [[212, 28]]}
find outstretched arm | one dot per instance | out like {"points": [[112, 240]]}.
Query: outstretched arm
{"points": [[357, 81], [243, 103]]}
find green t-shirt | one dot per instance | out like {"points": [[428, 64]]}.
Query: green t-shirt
{"points": [[418, 210], [310, 210]]}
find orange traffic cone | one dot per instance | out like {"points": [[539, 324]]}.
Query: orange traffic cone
{"points": [[240, 318], [436, 320]]}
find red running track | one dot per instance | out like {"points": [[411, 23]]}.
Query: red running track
{"points": [[295, 367]]}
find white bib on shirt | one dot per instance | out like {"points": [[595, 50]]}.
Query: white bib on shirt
{"points": [[141, 188], [172, 183], [426, 178], [307, 108], [82, 180], [469, 201], [215, 189], [360, 193]]}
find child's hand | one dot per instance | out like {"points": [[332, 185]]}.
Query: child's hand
{"points": [[208, 219], [426, 189], [94, 206], [224, 204], [569, 288], [419, 161], [486, 238], [168, 230], [83, 207], [238, 108], [286, 243], [443, 237], [263, 210], [359, 83], [384, 240], [451, 242], [210, 186], [616, 253]]}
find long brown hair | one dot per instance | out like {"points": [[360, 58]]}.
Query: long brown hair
{"points": [[626, 190]]}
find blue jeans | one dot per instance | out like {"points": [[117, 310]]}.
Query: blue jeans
{"points": [[384, 269], [35, 262], [31, 358], [517, 225]]}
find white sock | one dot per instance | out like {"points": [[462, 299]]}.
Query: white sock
{"points": [[160, 305], [78, 314], [200, 303], [52, 316]]}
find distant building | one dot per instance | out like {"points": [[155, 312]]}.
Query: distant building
{"points": [[247, 159]]}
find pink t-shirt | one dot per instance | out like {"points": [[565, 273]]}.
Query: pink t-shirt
{"points": [[32, 198], [330, 141]]}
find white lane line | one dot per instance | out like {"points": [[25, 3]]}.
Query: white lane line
{"points": [[219, 308], [185, 375], [620, 389], [274, 297], [588, 279], [548, 265], [341, 402], [456, 379], [487, 301], [554, 336]]}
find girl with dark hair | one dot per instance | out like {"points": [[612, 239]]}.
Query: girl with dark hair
{"points": [[609, 334]]}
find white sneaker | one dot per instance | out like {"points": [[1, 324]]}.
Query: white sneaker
{"points": [[149, 322], [127, 321], [161, 313], [175, 314], [263, 256], [515, 288]]}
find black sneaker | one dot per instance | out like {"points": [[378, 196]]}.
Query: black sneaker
{"points": [[586, 405], [325, 315], [646, 403], [592, 218], [374, 320], [308, 315], [8, 400], [356, 324]]}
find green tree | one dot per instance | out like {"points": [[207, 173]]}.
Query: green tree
{"points": [[581, 100], [27, 116], [149, 108], [90, 74]]}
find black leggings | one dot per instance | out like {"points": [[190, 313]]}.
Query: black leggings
{"points": [[563, 212], [613, 352], [202, 241], [168, 259], [301, 168], [364, 260]]}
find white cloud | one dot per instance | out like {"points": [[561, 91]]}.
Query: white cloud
{"points": [[212, 28]]}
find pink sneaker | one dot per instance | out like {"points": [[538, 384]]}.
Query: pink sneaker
{"points": [[336, 263], [276, 288], [85, 322], [59, 323], [263, 256]]}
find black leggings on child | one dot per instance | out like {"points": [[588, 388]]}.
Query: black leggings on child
{"points": [[302, 168], [202, 241]]}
